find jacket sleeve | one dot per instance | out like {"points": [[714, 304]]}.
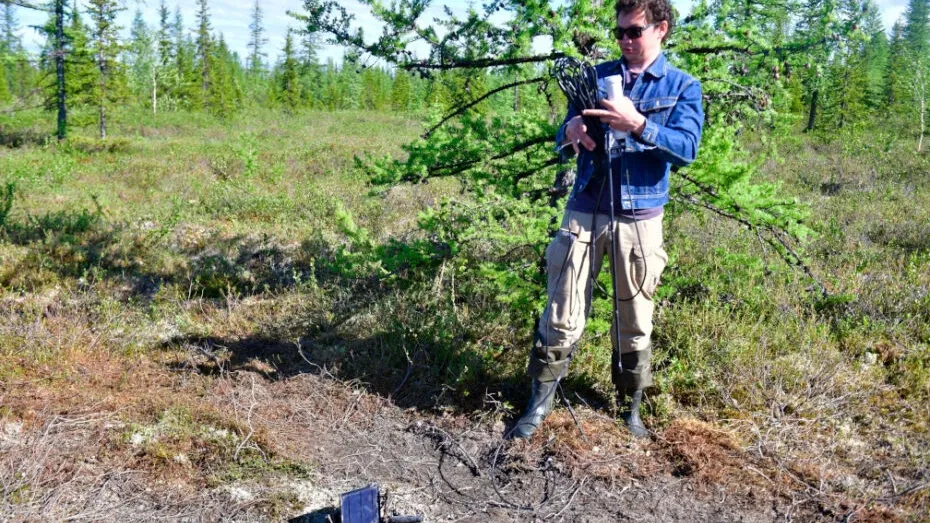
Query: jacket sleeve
{"points": [[677, 141], [566, 152]]}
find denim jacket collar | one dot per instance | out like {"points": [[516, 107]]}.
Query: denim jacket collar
{"points": [[658, 68]]}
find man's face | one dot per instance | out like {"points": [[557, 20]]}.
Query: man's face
{"points": [[646, 46]]}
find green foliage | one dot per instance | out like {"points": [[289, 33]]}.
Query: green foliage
{"points": [[289, 85], [105, 46], [5, 95]]}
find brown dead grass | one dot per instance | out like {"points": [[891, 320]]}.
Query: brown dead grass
{"points": [[714, 459], [605, 451], [698, 449]]}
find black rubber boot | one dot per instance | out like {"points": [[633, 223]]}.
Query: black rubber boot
{"points": [[540, 406], [630, 404]]}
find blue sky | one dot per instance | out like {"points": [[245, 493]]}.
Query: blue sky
{"points": [[232, 18]]}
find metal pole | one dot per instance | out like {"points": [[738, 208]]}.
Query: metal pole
{"points": [[614, 277]]}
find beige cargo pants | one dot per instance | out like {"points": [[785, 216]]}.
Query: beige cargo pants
{"points": [[573, 258]]}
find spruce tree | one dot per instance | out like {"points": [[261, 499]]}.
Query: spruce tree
{"points": [[310, 73], [895, 73], [164, 61], [401, 92], [224, 94], [9, 49], [814, 32], [142, 62], [188, 79], [106, 47], [9, 39], [79, 68], [204, 44], [874, 55], [257, 41], [164, 43], [288, 83], [917, 27]]}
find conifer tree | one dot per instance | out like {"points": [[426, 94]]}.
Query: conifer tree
{"points": [[164, 44], [401, 92], [257, 41], [106, 47], [18, 68], [204, 44], [895, 80], [814, 30], [331, 92], [874, 55], [917, 27], [79, 69], [142, 62], [9, 50], [164, 69], [288, 82], [9, 39], [309, 69], [224, 93], [188, 79], [350, 82]]}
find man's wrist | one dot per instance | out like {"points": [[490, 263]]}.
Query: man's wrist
{"points": [[638, 130]]}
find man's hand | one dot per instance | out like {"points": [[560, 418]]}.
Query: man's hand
{"points": [[576, 132], [620, 115]]}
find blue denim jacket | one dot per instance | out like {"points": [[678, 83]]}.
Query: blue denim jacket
{"points": [[670, 100]]}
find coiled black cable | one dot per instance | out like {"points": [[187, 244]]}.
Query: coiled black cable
{"points": [[578, 81]]}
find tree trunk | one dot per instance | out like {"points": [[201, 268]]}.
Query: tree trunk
{"points": [[516, 92], [812, 114], [103, 106], [154, 93], [923, 112], [60, 67], [103, 122]]}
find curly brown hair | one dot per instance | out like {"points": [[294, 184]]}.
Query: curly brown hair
{"points": [[656, 11]]}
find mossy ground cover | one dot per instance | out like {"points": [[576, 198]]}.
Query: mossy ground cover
{"points": [[192, 259]]}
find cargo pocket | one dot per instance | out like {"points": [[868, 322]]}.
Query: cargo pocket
{"points": [[565, 259], [648, 259]]}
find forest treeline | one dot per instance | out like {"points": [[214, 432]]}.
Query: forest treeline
{"points": [[170, 64]]}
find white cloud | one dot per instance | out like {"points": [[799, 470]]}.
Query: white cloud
{"points": [[891, 11]]}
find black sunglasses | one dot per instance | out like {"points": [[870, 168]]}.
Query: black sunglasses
{"points": [[632, 32]]}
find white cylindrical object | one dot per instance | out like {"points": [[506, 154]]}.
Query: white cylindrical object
{"points": [[613, 88]]}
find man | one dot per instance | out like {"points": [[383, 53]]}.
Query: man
{"points": [[661, 112]]}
